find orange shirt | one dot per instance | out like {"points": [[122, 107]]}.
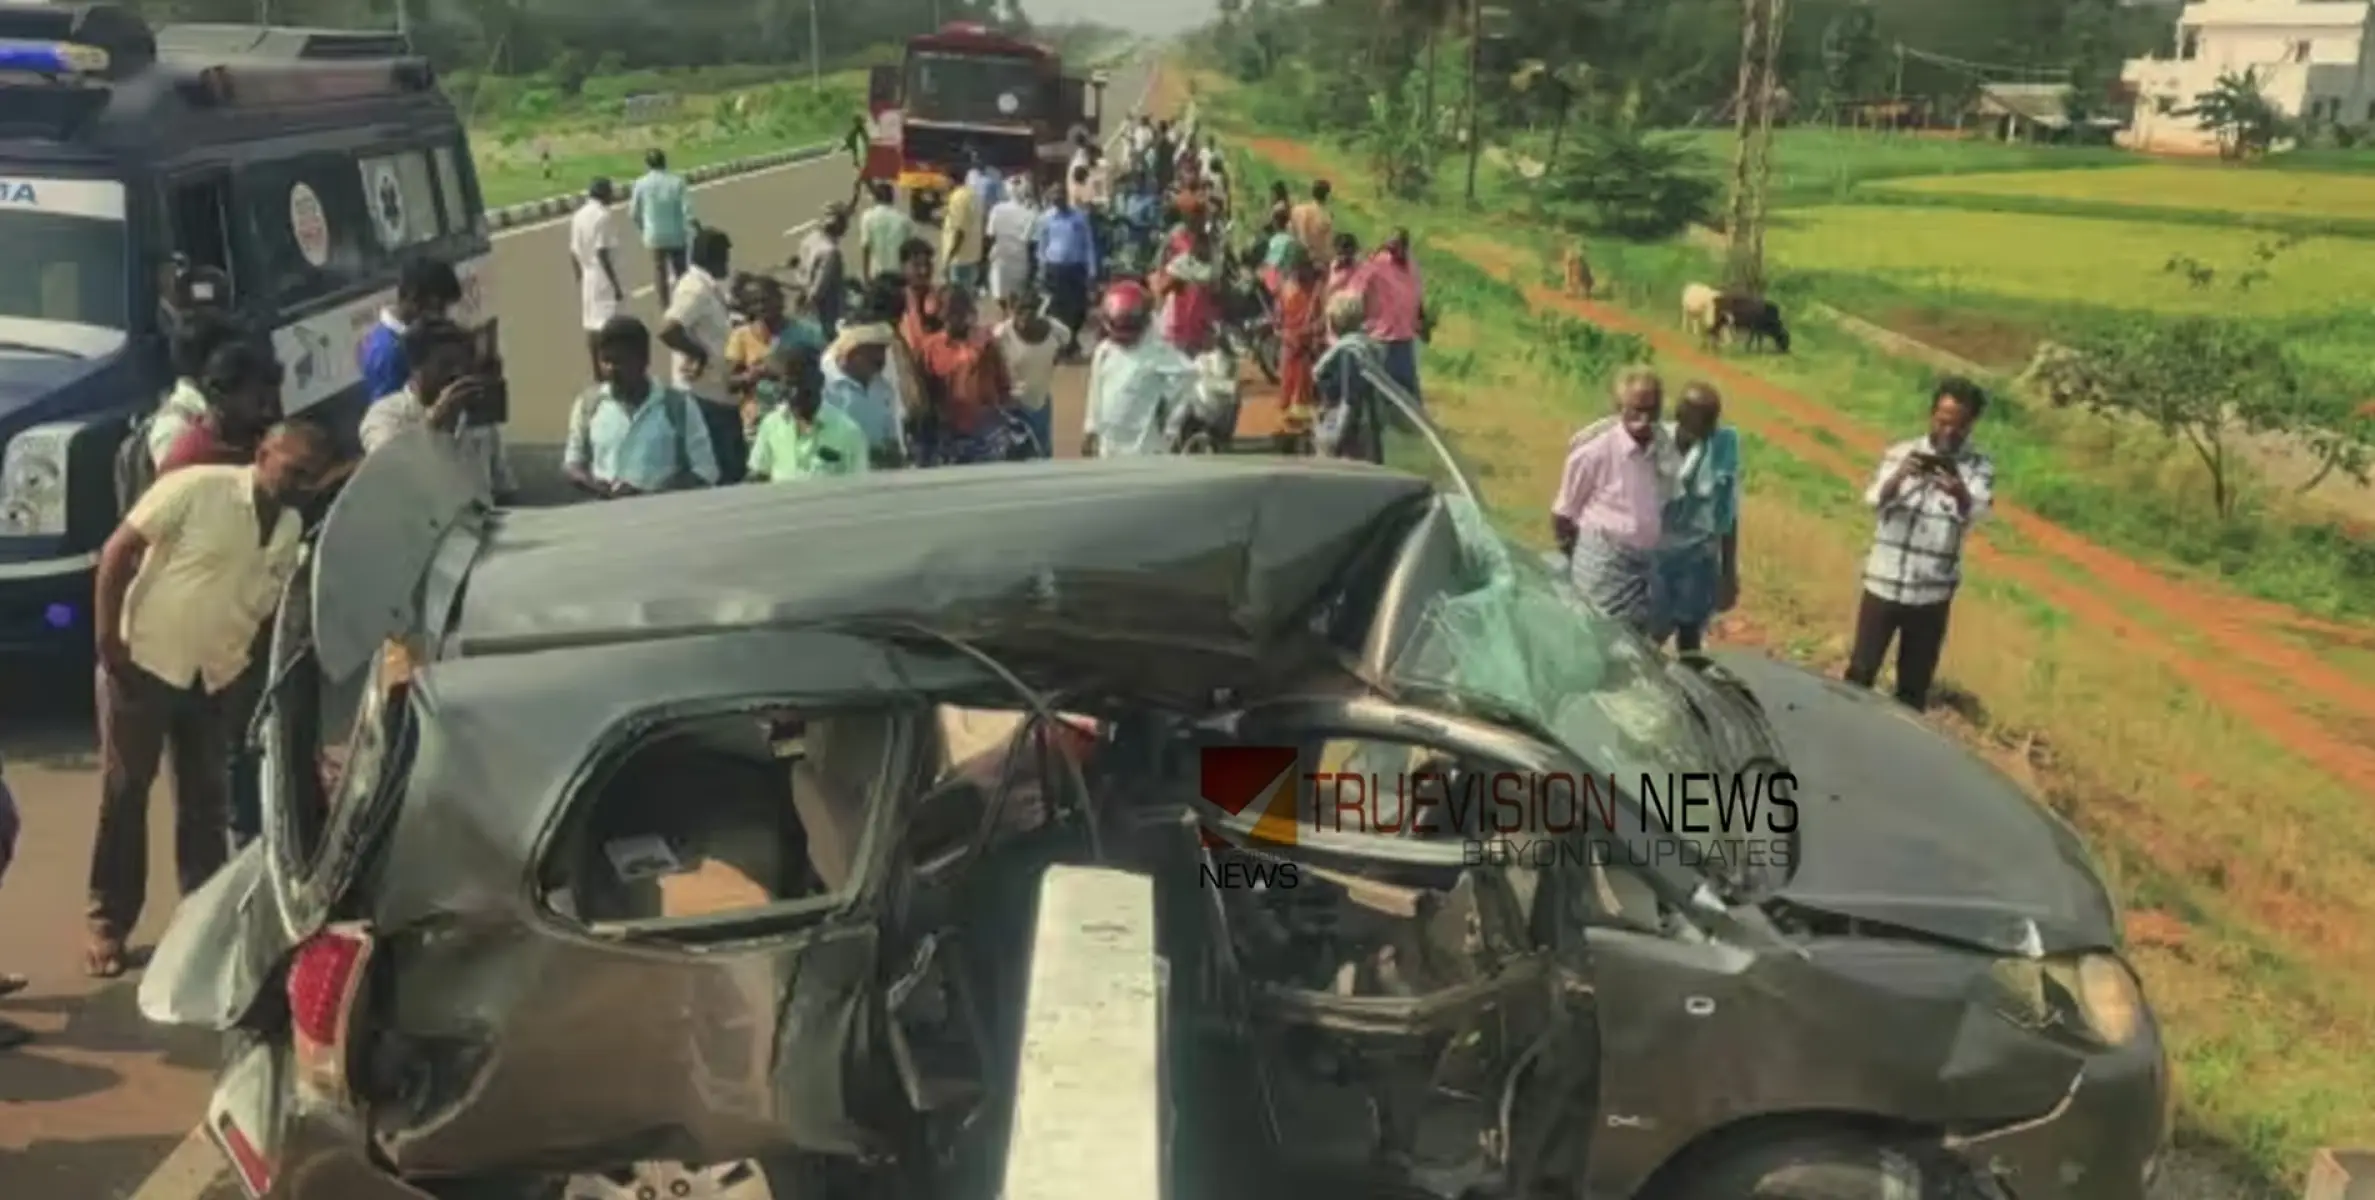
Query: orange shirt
{"points": [[970, 378]]}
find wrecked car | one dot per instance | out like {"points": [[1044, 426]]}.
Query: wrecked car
{"points": [[860, 839]]}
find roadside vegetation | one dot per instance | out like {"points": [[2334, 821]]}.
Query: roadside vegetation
{"points": [[2118, 650]]}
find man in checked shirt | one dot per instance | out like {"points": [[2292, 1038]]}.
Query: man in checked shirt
{"points": [[1928, 493]]}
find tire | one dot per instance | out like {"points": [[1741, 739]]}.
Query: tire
{"points": [[1812, 1166], [1198, 442], [1266, 353]]}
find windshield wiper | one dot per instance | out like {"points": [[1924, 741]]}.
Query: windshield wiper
{"points": [[52, 351]]}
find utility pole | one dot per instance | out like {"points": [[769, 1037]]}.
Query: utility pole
{"points": [[816, 49], [1475, 68], [1757, 95]]}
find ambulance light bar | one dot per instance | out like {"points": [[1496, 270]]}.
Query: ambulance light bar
{"points": [[51, 58]]}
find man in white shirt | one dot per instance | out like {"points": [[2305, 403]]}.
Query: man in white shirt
{"points": [[1012, 230], [448, 382], [695, 328], [184, 584], [1140, 387], [592, 241]]}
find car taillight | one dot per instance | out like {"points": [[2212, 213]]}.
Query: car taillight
{"points": [[325, 976]]}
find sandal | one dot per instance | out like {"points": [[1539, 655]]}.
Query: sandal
{"points": [[104, 958], [10, 985]]}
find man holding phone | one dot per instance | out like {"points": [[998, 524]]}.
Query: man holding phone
{"points": [[1928, 493], [456, 389]]}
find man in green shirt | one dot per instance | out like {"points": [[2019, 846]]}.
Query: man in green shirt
{"points": [[800, 438], [882, 231]]}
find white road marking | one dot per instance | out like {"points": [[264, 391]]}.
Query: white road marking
{"points": [[801, 228]]}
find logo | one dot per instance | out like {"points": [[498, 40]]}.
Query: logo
{"points": [[1256, 780], [1255, 783]]}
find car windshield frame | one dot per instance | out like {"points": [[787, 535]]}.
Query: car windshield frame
{"points": [[59, 232], [1512, 640], [981, 79]]}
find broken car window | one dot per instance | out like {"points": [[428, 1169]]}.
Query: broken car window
{"points": [[1515, 639]]}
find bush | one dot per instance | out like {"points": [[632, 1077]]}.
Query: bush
{"points": [[1642, 186]]}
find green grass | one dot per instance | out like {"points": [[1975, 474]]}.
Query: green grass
{"points": [[1818, 166], [2165, 186], [2066, 260], [706, 130]]}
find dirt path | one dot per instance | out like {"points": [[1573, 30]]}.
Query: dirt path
{"points": [[2236, 627]]}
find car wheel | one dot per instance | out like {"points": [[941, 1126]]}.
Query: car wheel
{"points": [[1198, 443], [1808, 1167]]}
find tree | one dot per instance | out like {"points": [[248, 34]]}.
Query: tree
{"points": [[1559, 88], [2239, 115], [1632, 183], [1850, 46], [2211, 380]]}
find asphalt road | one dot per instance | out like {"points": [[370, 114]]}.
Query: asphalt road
{"points": [[101, 1106]]}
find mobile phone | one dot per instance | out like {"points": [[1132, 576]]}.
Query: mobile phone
{"points": [[491, 404]]}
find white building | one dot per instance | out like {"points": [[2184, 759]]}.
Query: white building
{"points": [[2312, 57]]}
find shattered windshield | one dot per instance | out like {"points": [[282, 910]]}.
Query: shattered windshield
{"points": [[1519, 640]]}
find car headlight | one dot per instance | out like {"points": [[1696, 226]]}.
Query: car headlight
{"points": [[2092, 996], [33, 481]]}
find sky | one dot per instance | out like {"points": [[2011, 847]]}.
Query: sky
{"points": [[1137, 16]]}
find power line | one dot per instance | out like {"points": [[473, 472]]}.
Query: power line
{"points": [[1971, 67]]}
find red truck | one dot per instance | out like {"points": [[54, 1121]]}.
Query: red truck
{"points": [[969, 89]]}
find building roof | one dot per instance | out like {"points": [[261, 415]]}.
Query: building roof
{"points": [[2046, 104]]}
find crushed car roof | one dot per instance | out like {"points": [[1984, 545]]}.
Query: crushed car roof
{"points": [[1204, 552]]}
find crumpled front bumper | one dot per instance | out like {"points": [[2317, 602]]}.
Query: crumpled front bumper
{"points": [[2103, 1142]]}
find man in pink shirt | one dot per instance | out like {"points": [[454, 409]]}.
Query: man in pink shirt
{"points": [[1396, 300], [1606, 515]]}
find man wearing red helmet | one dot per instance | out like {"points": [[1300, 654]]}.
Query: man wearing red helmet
{"points": [[1140, 387]]}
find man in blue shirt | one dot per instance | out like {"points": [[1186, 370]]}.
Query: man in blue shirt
{"points": [[634, 435], [1068, 261], [426, 289], [858, 385], [661, 205]]}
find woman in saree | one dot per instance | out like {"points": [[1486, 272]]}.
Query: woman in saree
{"points": [[1302, 335], [1699, 544]]}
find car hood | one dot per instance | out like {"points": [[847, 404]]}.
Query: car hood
{"points": [[25, 379], [1900, 824]]}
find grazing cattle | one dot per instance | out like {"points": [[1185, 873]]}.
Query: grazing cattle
{"points": [[1758, 321], [1698, 309]]}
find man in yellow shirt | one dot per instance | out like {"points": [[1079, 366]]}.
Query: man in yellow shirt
{"points": [[962, 237], [184, 584]]}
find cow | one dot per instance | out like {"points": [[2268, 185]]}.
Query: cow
{"points": [[1698, 309], [1757, 320], [1576, 272]]}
